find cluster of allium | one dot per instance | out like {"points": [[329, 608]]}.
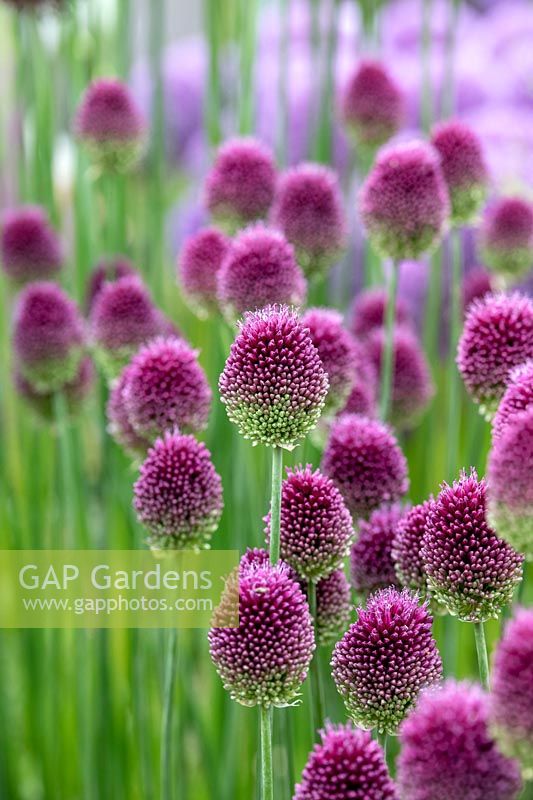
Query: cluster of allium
{"points": [[178, 495], [476, 284], [368, 312], [29, 247], [74, 392], [333, 608], [470, 571], [412, 385], [509, 474], [507, 237], [372, 104], [240, 186], [497, 336], [308, 209], [363, 459], [316, 527], [371, 563], [273, 384], [512, 691], [265, 659], [447, 751], [463, 166], [338, 352], [404, 201], [198, 267], [385, 659], [48, 337], [108, 270], [259, 270], [347, 764], [110, 125]]}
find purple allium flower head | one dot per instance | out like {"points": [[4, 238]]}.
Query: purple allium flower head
{"points": [[333, 608], [412, 386], [75, 392], [512, 690], [463, 166], [265, 659], [48, 337], [518, 397], [338, 352], [259, 269], [316, 526], [198, 266], [106, 271], [509, 471], [363, 396], [110, 124], [241, 184], [447, 750], [346, 765], [385, 658], [371, 563], [364, 460], [29, 247], [166, 389], [404, 201], [476, 284], [122, 318], [497, 336], [507, 237], [407, 546], [178, 494], [119, 424], [368, 312], [469, 569], [273, 384], [372, 104], [308, 209]]}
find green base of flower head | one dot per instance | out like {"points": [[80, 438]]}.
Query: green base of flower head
{"points": [[487, 406], [117, 156], [228, 221], [112, 362], [512, 264], [368, 137], [276, 425], [475, 608], [513, 525], [518, 745], [47, 377], [466, 202], [330, 628], [385, 718], [195, 537], [401, 245], [200, 307], [274, 690], [316, 264]]}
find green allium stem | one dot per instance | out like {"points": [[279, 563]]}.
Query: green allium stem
{"points": [[316, 681], [382, 739], [166, 720], [324, 131], [433, 306], [212, 108], [267, 777], [454, 385], [387, 358], [275, 504], [249, 14], [482, 658], [283, 83], [427, 89]]}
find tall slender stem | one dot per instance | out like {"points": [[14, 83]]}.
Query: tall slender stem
{"points": [[316, 682], [248, 16], [387, 359], [426, 109], [382, 739], [166, 721], [482, 658], [283, 82], [267, 778], [324, 130], [454, 387], [212, 108], [275, 504]]}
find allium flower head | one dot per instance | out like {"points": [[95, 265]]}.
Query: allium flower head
{"points": [[48, 337], [333, 608], [338, 352], [371, 564], [308, 209], [122, 318], [198, 267], [412, 386], [507, 237], [368, 312], [469, 569], [463, 165], [363, 459], [404, 201], [497, 336], [119, 424], [166, 389], [273, 384], [476, 284], [265, 659], [346, 765], [447, 751], [518, 397], [316, 526], [512, 691], [372, 104], [509, 473], [110, 125], [363, 395], [240, 186], [259, 270], [75, 392], [30, 249], [178, 495], [106, 271], [407, 546], [384, 660]]}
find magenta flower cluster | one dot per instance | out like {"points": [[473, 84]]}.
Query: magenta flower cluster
{"points": [[371, 563], [29, 247]]}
